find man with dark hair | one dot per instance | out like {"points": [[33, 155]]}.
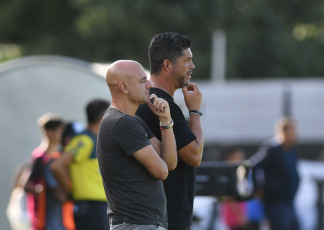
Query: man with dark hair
{"points": [[71, 130], [77, 170], [132, 161], [46, 200], [166, 46], [277, 178], [171, 68], [95, 110]]}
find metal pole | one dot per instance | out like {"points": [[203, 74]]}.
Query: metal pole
{"points": [[218, 56]]}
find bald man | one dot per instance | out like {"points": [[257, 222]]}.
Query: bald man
{"points": [[277, 162], [132, 161]]}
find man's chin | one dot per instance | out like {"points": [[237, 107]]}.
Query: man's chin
{"points": [[146, 100], [185, 84]]}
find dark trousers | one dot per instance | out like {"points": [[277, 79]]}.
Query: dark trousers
{"points": [[181, 228], [238, 228], [281, 216], [91, 215], [254, 225]]}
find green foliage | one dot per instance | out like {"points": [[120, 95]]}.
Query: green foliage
{"points": [[264, 38]]}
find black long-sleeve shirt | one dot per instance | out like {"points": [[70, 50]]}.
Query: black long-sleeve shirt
{"points": [[279, 167]]}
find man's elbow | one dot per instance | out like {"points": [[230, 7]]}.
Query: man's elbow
{"points": [[172, 166], [196, 163], [196, 160], [165, 175], [161, 175]]}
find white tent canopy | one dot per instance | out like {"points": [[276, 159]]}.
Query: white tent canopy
{"points": [[30, 87]]}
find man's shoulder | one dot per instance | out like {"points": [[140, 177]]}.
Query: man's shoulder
{"points": [[161, 94], [127, 120], [115, 118], [270, 144], [126, 123], [113, 114], [156, 91], [78, 142], [82, 136], [37, 152], [264, 151]]}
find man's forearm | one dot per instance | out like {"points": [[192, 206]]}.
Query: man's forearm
{"points": [[62, 176], [168, 148], [195, 127]]}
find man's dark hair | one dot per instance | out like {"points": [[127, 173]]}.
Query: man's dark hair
{"points": [[69, 131], [53, 124], [50, 121], [96, 109], [167, 45]]}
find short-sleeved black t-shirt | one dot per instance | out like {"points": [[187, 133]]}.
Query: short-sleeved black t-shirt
{"points": [[133, 195], [180, 184]]}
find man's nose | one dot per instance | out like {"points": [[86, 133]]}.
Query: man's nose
{"points": [[149, 84], [192, 65]]}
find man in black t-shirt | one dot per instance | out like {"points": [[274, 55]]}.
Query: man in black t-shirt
{"points": [[171, 66], [132, 161]]}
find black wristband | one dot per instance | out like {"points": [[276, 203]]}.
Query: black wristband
{"points": [[195, 112]]}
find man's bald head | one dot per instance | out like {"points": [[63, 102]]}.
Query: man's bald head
{"points": [[121, 70], [286, 130], [127, 81]]}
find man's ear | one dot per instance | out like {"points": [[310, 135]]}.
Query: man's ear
{"points": [[167, 65], [123, 87]]}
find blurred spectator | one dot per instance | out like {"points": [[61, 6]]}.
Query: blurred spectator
{"points": [[276, 176], [46, 202], [71, 130], [17, 208], [234, 212], [78, 166], [255, 214], [321, 155]]}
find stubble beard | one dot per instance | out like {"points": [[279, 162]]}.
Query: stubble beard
{"points": [[182, 82]]}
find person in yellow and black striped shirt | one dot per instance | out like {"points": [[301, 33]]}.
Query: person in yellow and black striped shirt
{"points": [[77, 170]]}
